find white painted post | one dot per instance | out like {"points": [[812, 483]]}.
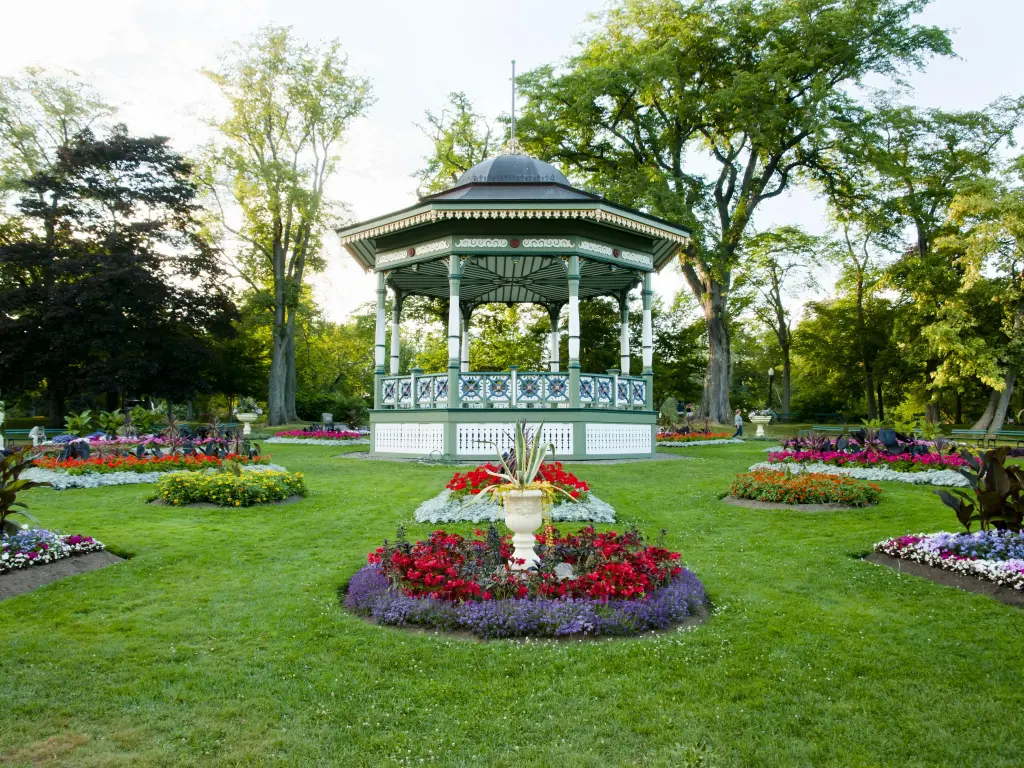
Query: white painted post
{"points": [[378, 349], [624, 333], [648, 341], [454, 321], [466, 315], [554, 312], [396, 317], [574, 331]]}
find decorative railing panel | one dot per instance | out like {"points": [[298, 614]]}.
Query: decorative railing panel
{"points": [[514, 389], [476, 439]]}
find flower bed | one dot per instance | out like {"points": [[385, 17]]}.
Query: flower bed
{"points": [[996, 556], [37, 546], [946, 477], [227, 490], [586, 583], [693, 443], [870, 460], [672, 438], [319, 437], [460, 500], [476, 480], [62, 481], [147, 464], [805, 488]]}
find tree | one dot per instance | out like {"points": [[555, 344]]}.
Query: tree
{"points": [[40, 115], [290, 106], [461, 138], [772, 261], [753, 86], [107, 284]]}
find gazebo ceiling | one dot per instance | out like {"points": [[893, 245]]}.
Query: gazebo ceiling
{"points": [[503, 279]]}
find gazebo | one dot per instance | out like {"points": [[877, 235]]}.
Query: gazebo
{"points": [[513, 230]]}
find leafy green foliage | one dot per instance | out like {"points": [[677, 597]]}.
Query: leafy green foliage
{"points": [[998, 492], [11, 484], [111, 422], [79, 424]]}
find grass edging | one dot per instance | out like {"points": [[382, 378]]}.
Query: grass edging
{"points": [[946, 578]]}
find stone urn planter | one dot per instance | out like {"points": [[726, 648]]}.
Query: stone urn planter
{"points": [[246, 419], [523, 517], [761, 421]]}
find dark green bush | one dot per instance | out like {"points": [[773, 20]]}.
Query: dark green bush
{"points": [[346, 409]]}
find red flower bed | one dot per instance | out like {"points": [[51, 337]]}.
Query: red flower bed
{"points": [[103, 464], [476, 480], [604, 566]]}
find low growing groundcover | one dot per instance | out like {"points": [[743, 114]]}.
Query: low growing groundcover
{"points": [[229, 490], [222, 641]]}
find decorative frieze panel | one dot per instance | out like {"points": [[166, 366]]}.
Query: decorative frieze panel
{"points": [[477, 439], [413, 252], [481, 242], [605, 439], [547, 242], [408, 438]]}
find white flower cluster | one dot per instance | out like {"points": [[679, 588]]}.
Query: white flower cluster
{"points": [[1008, 573], [721, 441], [444, 509], [945, 477], [62, 481], [57, 549], [316, 441]]}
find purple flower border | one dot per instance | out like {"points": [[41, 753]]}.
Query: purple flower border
{"points": [[371, 594]]}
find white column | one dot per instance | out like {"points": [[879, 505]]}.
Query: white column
{"points": [[454, 315], [466, 315], [396, 317], [648, 332], [379, 350], [574, 311], [624, 334], [554, 312]]}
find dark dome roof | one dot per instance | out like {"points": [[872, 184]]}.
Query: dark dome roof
{"points": [[512, 169]]}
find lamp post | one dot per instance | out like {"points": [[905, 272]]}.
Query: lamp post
{"points": [[771, 379]]}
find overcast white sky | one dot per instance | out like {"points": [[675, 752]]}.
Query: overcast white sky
{"points": [[145, 57]]}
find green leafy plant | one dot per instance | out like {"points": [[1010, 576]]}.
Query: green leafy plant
{"points": [[929, 431], [521, 466], [111, 421], [79, 424], [11, 485], [143, 420], [998, 492]]}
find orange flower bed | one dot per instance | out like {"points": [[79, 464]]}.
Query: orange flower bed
{"points": [[804, 488]]}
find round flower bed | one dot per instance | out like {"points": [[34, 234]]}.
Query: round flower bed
{"points": [[227, 490], [174, 463], [319, 437], [586, 583], [996, 556], [808, 488], [460, 500], [947, 477], [675, 438], [37, 546], [870, 460]]}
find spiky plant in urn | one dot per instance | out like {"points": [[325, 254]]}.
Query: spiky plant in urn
{"points": [[522, 491]]}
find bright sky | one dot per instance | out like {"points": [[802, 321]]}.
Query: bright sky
{"points": [[145, 57]]}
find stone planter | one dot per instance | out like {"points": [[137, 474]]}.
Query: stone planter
{"points": [[523, 517], [246, 419], [761, 421]]}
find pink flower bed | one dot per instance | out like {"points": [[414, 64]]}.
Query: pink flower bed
{"points": [[319, 434], [870, 460]]}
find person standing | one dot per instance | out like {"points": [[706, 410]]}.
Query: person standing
{"points": [[738, 421]]}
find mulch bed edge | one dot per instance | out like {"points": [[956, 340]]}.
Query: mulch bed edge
{"points": [[23, 580], [946, 578], [753, 504]]}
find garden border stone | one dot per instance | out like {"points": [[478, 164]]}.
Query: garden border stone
{"points": [[942, 577], [22, 580], [755, 504]]}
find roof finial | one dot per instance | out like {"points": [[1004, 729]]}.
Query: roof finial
{"points": [[512, 148]]}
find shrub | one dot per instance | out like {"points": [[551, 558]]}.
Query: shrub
{"points": [[230, 490], [807, 488], [345, 409]]}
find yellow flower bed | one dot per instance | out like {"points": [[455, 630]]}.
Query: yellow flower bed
{"points": [[228, 490]]}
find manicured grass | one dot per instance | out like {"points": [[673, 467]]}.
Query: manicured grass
{"points": [[221, 642]]}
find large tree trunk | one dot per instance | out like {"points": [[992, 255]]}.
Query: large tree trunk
{"points": [[999, 416], [990, 409], [869, 385], [786, 381], [958, 409], [715, 403], [54, 407], [931, 412], [290, 382], [878, 392], [277, 389]]}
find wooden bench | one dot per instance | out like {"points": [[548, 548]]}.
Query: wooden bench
{"points": [[13, 436], [977, 435], [1009, 435]]}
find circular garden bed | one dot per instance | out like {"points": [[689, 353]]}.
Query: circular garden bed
{"points": [[586, 584], [809, 492]]}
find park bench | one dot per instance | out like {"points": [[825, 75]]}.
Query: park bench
{"points": [[823, 429], [978, 435], [1009, 435], [21, 435]]}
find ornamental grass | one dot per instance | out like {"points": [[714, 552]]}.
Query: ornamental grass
{"points": [[228, 490], [806, 488]]}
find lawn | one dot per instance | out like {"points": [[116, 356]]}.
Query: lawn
{"points": [[221, 641]]}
